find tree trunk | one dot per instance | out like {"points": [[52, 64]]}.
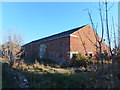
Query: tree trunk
{"points": [[11, 59]]}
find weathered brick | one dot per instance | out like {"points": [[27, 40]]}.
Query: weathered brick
{"points": [[60, 49]]}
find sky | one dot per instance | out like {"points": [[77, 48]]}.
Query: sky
{"points": [[35, 20]]}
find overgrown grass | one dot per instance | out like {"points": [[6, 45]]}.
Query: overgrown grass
{"points": [[6, 80], [45, 76], [57, 80]]}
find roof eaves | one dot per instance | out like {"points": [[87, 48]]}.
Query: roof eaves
{"points": [[56, 36]]}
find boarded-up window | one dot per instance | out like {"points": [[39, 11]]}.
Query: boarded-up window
{"points": [[42, 51]]}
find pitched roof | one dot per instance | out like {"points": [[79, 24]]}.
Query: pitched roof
{"points": [[59, 35]]}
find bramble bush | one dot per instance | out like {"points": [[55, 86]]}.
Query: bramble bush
{"points": [[80, 60]]}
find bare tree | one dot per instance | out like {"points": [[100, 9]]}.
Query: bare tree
{"points": [[11, 48], [107, 26], [98, 40], [105, 20], [115, 43]]}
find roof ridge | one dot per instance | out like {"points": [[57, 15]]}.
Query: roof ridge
{"points": [[65, 33]]}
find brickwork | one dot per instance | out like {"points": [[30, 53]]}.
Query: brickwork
{"points": [[60, 49], [56, 49], [85, 41]]}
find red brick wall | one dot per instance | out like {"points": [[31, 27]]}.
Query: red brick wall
{"points": [[59, 49], [87, 36], [56, 49]]}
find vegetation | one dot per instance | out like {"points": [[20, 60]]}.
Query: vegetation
{"points": [[83, 73], [58, 80], [45, 76], [11, 49], [79, 60]]}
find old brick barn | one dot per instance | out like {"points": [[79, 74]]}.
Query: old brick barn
{"points": [[60, 47]]}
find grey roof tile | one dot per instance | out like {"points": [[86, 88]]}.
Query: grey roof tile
{"points": [[59, 35]]}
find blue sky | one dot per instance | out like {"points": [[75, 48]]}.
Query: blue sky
{"points": [[35, 20]]}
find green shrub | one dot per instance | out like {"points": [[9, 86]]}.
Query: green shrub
{"points": [[79, 60]]}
